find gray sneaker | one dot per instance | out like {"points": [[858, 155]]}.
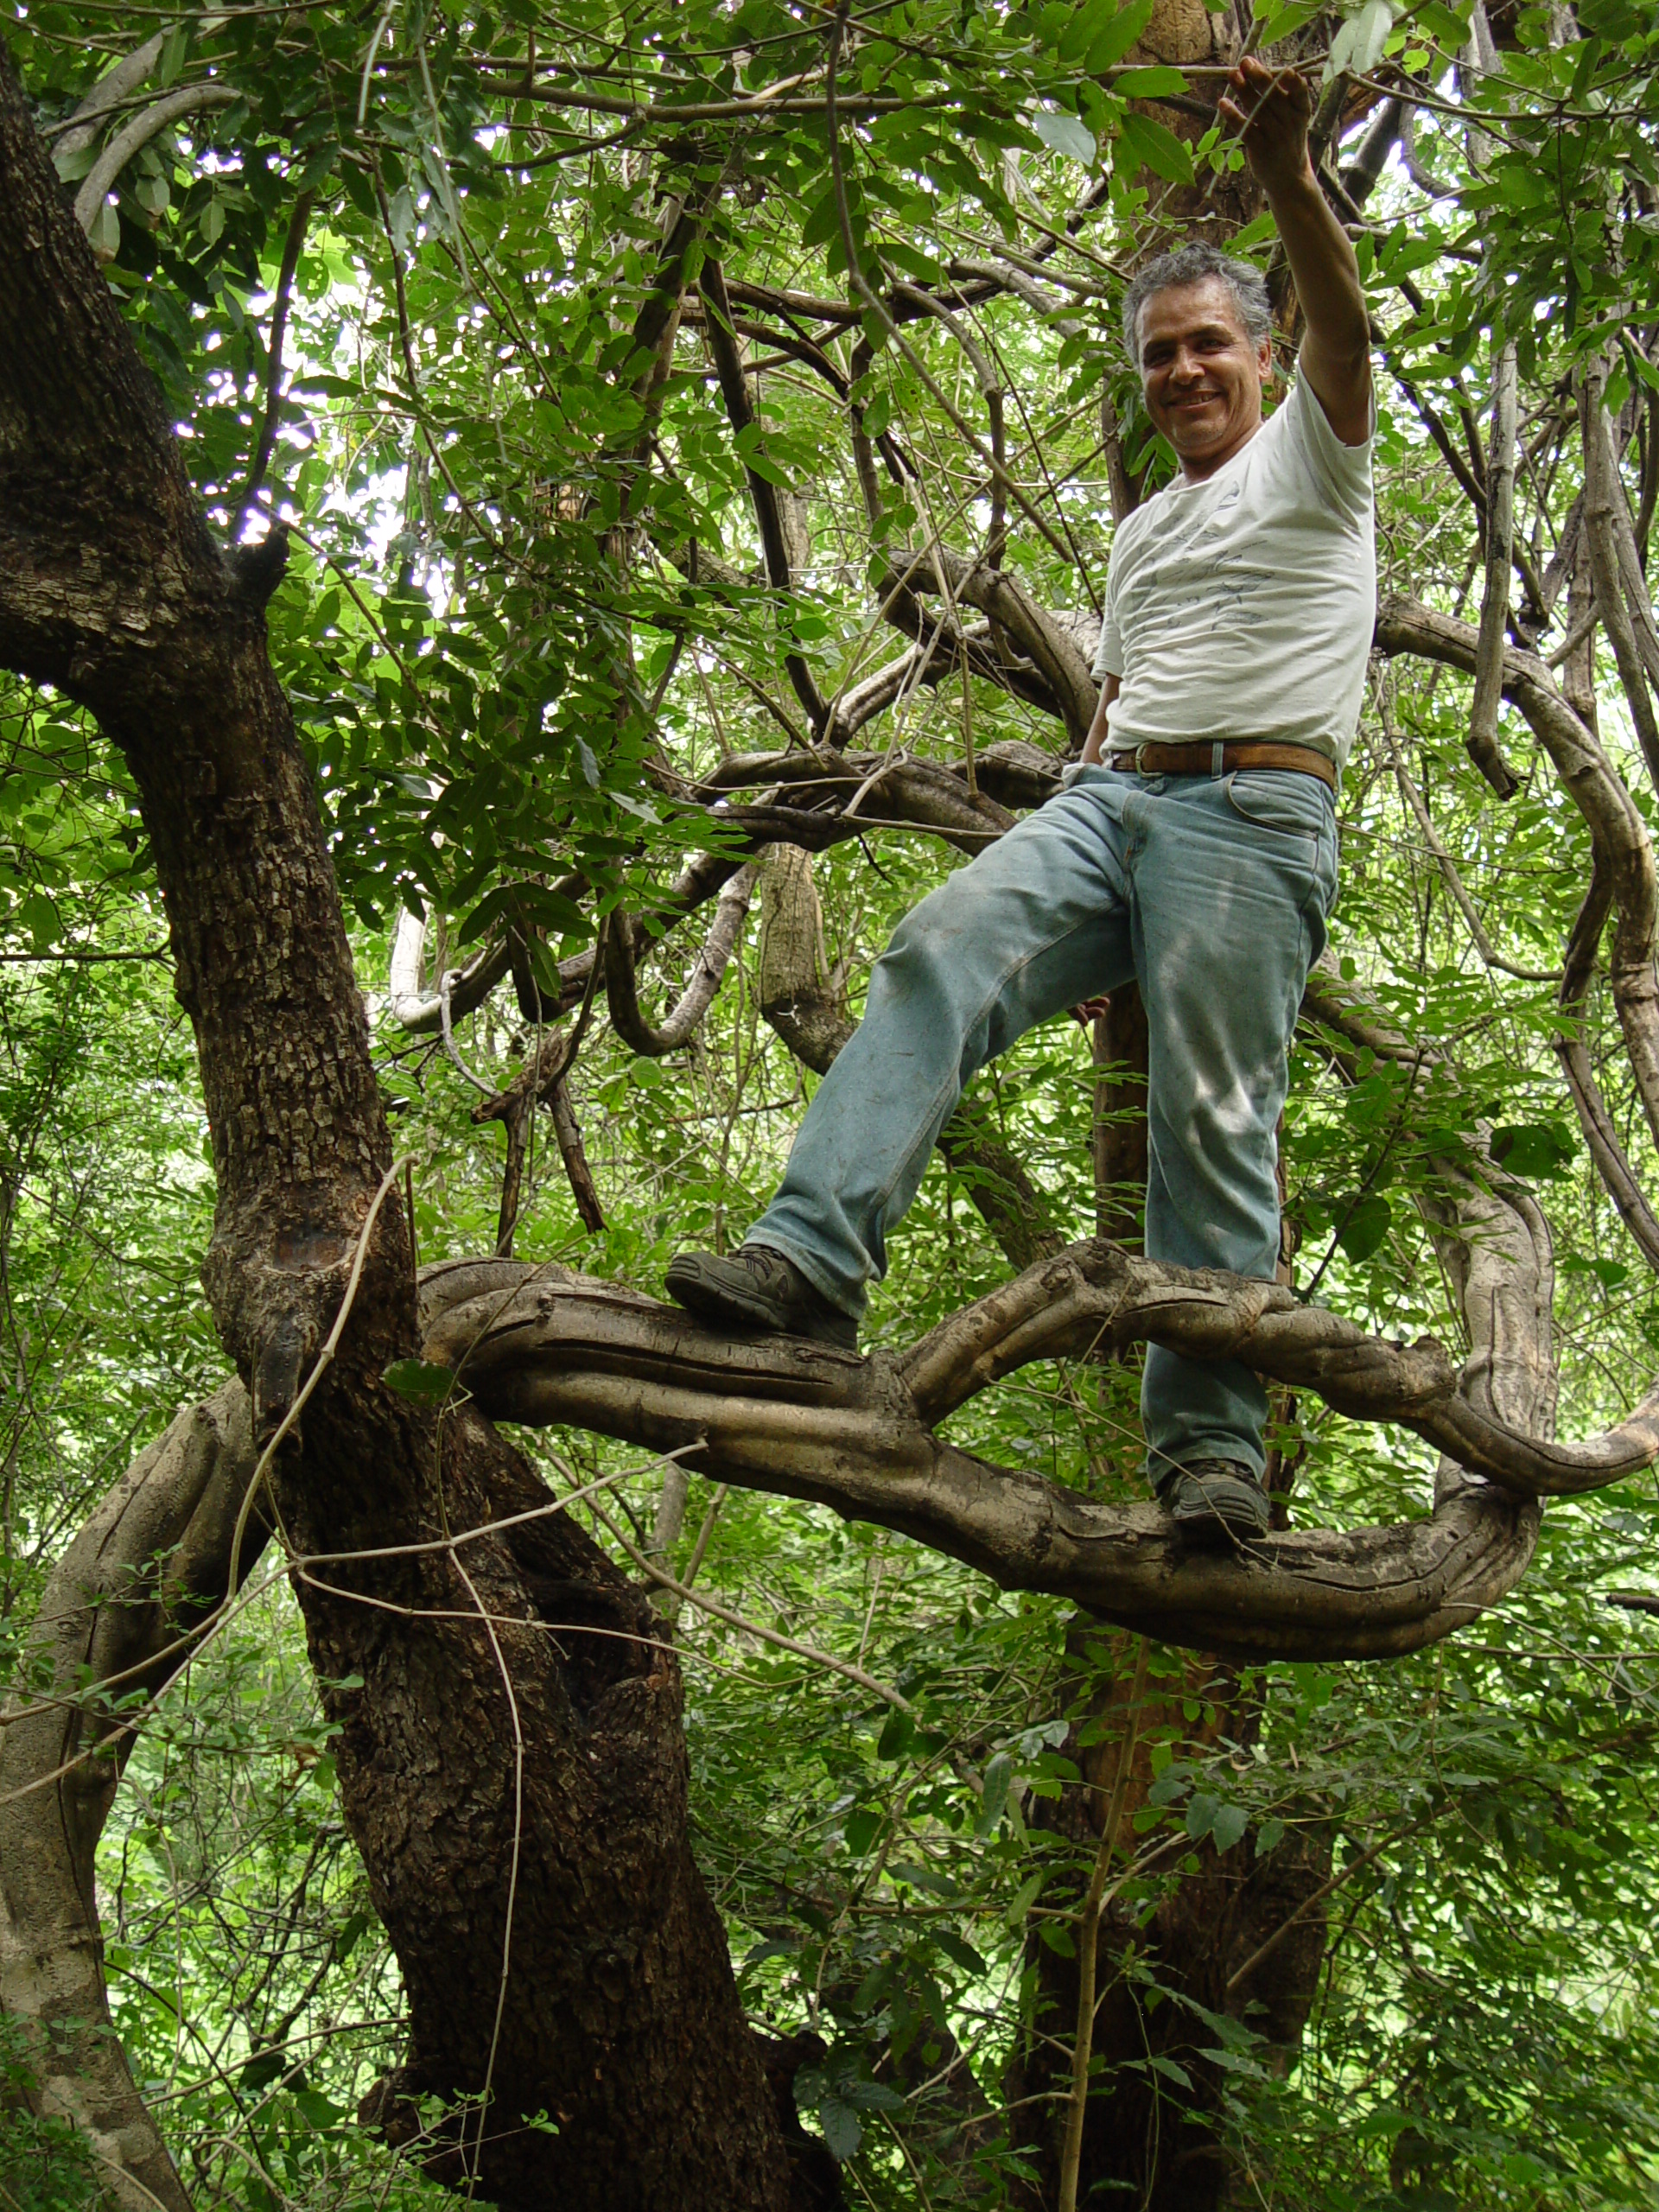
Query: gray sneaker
{"points": [[1215, 1502], [755, 1288]]}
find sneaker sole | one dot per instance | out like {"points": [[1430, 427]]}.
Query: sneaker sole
{"points": [[1208, 1529]]}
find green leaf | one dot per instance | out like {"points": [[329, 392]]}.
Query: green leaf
{"points": [[1280, 23], [1066, 134], [1450, 25], [1229, 1825], [1357, 46], [1366, 1225], [1254, 232], [1114, 42], [960, 1953], [999, 1773], [351, 1932], [1531, 1148], [322, 2112], [897, 1736], [263, 2068], [1154, 146], [1023, 1898], [1201, 1812], [1081, 27], [1149, 83], [421, 1379], [38, 915], [177, 46], [864, 1826], [873, 2096], [842, 2133]]}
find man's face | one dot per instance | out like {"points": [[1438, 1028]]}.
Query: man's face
{"points": [[1201, 375]]}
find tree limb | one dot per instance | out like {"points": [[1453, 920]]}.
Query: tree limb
{"points": [[1618, 837], [112, 88], [621, 988], [801, 1419], [267, 441], [1058, 659], [729, 367], [136, 134], [1482, 740], [123, 1611], [1604, 502]]}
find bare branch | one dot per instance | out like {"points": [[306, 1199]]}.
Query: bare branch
{"points": [[267, 442], [136, 135], [1482, 741], [112, 88], [1058, 659], [118, 1619], [803, 1420], [621, 987], [421, 1012], [1604, 509], [1618, 836], [1601, 1137], [763, 493]]}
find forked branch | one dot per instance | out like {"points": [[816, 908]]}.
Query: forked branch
{"points": [[805, 1420]]}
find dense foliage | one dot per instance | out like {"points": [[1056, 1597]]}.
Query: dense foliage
{"points": [[527, 617]]}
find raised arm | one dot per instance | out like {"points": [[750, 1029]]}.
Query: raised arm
{"points": [[1271, 110]]}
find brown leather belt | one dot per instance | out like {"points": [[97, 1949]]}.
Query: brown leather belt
{"points": [[1201, 760]]}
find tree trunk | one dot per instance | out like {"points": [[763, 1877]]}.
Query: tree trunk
{"points": [[1146, 2136], [518, 1795], [1143, 2132]]}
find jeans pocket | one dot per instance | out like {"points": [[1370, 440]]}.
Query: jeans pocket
{"points": [[1280, 798]]}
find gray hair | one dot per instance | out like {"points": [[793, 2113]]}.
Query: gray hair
{"points": [[1192, 264]]}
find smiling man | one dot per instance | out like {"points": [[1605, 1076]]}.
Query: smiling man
{"points": [[1195, 848]]}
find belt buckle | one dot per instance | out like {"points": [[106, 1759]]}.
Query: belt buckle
{"points": [[1140, 769]]}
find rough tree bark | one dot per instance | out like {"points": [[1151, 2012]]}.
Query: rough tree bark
{"points": [[518, 1796]]}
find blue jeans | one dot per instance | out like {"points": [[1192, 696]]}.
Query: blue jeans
{"points": [[1213, 893]]}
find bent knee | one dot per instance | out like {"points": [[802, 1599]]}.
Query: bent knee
{"points": [[931, 934]]}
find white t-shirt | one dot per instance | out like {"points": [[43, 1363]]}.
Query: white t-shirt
{"points": [[1242, 606]]}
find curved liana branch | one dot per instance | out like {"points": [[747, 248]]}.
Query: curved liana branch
{"points": [[1619, 840], [135, 135], [782, 1415], [124, 1610], [621, 985]]}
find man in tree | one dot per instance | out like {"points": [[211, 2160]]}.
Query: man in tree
{"points": [[1194, 849]]}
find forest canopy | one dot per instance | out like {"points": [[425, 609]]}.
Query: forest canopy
{"points": [[529, 538]]}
